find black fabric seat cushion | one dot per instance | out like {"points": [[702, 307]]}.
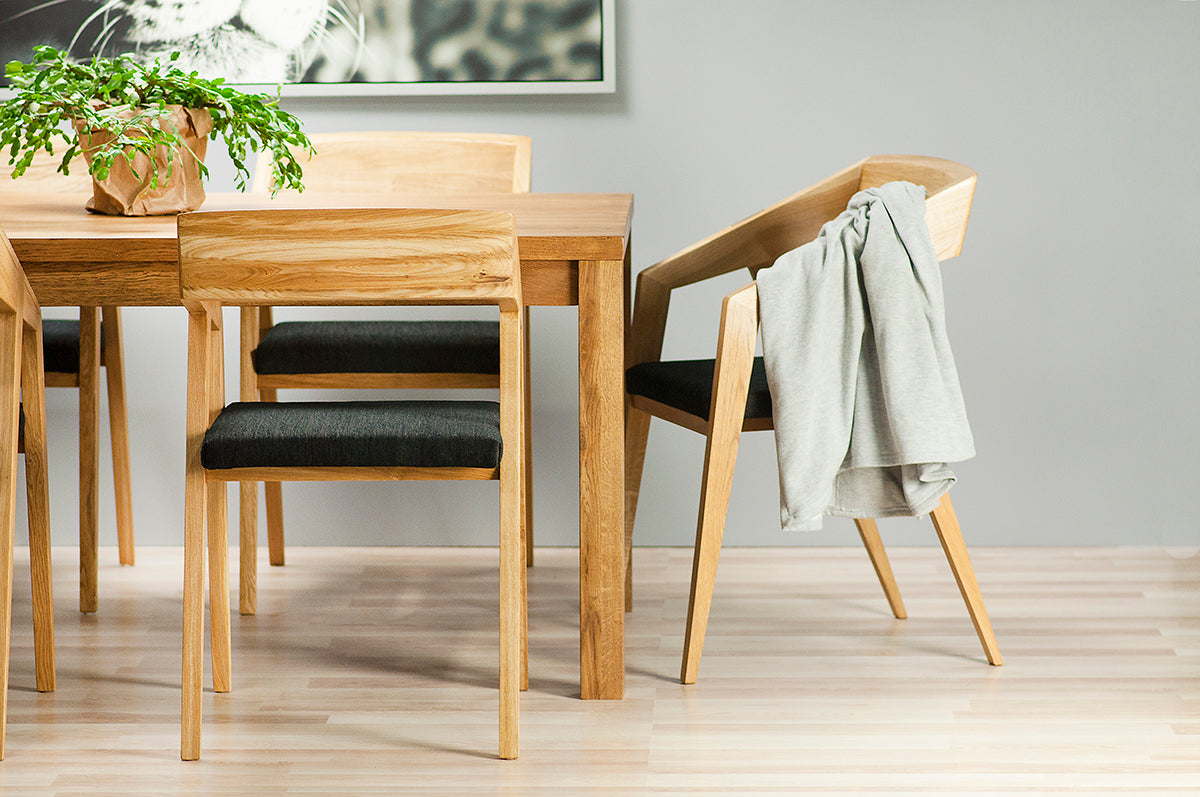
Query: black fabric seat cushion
{"points": [[60, 345], [464, 434], [379, 347], [687, 385]]}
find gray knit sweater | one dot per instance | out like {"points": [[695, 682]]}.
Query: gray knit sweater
{"points": [[867, 404]]}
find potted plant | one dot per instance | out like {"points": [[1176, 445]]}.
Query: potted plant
{"points": [[142, 128]]}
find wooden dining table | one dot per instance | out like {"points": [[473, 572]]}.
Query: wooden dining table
{"points": [[574, 250]]}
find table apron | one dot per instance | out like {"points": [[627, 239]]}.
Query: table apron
{"points": [[75, 283]]}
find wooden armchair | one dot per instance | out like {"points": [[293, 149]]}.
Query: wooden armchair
{"points": [[377, 354], [720, 398], [351, 257], [23, 428], [63, 340]]}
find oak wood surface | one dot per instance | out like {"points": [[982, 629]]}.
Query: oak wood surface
{"points": [[118, 424], [23, 397], [602, 324], [731, 383], [358, 256], [301, 256], [410, 161], [75, 258], [753, 243], [89, 455]]}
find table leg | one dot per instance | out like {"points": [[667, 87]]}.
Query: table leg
{"points": [[601, 480], [89, 455]]}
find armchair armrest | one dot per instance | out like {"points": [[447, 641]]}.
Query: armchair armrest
{"points": [[752, 243]]}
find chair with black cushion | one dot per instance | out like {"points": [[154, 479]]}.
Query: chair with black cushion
{"points": [[358, 257], [23, 428], [62, 340], [722, 397], [428, 354]]}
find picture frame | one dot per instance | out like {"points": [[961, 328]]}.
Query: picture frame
{"points": [[315, 48]]}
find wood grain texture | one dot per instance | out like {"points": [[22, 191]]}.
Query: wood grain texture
{"points": [[410, 162], [759, 240], [731, 384], [118, 425], [868, 532], [74, 258], [602, 480], [437, 266], [301, 256], [195, 522], [753, 243], [810, 685], [10, 406], [946, 523], [372, 381], [23, 391], [250, 325], [37, 490], [89, 455]]}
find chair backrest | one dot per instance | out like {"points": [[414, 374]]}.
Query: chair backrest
{"points": [[373, 256], [43, 175], [12, 278], [756, 242], [411, 162]]}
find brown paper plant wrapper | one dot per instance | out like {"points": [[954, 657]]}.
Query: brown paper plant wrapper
{"points": [[122, 194]]}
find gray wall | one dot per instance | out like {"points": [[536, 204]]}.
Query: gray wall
{"points": [[1072, 307]]}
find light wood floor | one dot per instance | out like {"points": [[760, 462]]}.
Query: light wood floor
{"points": [[373, 671]]}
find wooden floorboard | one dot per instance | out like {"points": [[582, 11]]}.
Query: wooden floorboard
{"points": [[373, 671]]}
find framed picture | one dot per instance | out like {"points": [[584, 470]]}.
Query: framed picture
{"points": [[340, 47]]}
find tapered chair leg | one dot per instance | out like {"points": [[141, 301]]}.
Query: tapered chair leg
{"points": [[731, 384], [948, 531], [193, 613], [118, 423], [37, 491], [89, 456], [869, 533], [10, 389], [217, 526], [248, 491], [719, 458], [273, 495], [637, 432], [248, 548], [218, 586], [527, 486]]}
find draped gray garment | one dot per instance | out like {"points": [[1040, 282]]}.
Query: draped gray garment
{"points": [[867, 403]]}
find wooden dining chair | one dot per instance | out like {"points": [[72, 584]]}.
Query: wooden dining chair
{"points": [[722, 397], [63, 340], [352, 257], [377, 354], [23, 428]]}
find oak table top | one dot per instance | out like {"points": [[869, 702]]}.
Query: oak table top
{"points": [[73, 257]]}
